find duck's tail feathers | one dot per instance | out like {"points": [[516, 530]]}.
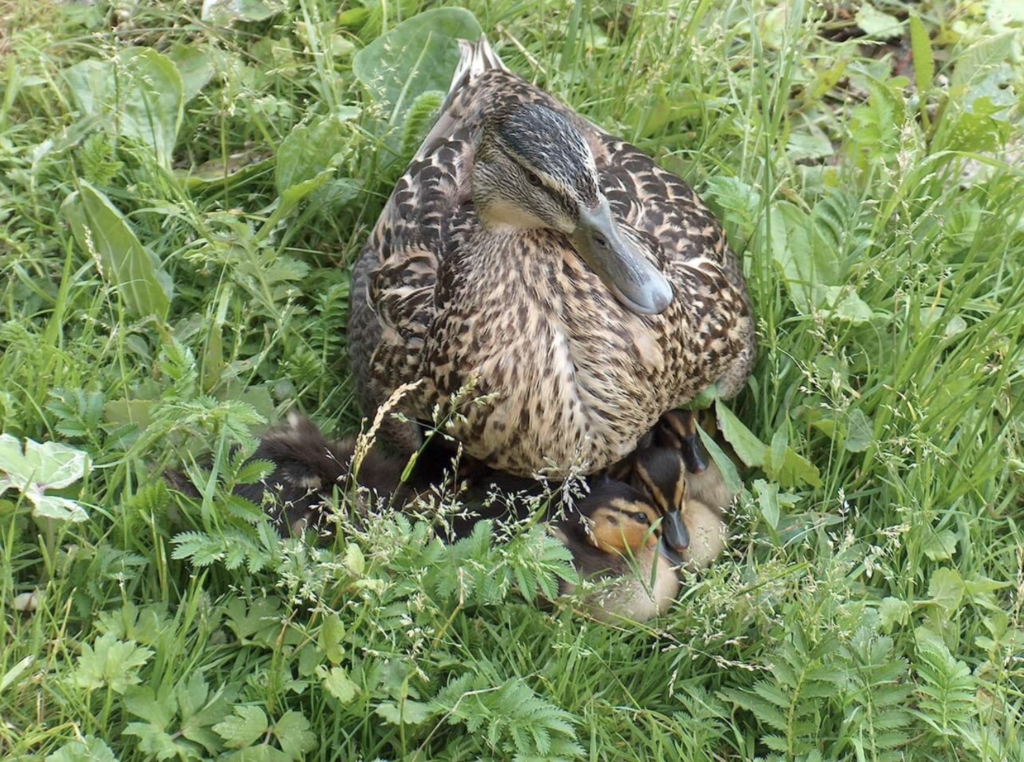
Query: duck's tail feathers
{"points": [[476, 58]]}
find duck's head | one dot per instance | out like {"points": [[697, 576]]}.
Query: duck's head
{"points": [[661, 473], [677, 430], [534, 169], [619, 519]]}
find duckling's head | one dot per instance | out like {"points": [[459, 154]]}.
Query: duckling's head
{"points": [[619, 519], [534, 169], [661, 473], [677, 430]]}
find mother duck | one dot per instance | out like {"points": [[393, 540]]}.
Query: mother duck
{"points": [[582, 290]]}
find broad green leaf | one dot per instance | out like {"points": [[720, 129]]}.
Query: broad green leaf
{"points": [[12, 675], [293, 734], [224, 12], [88, 750], [290, 199], [40, 467], [419, 54], [354, 560], [768, 501], [859, 432], [938, 546], [876, 23], [751, 450], [157, 743], [123, 262], [893, 611], [977, 62], [946, 590], [308, 149], [337, 683], [195, 67], [242, 728], [732, 477], [924, 60], [138, 94]]}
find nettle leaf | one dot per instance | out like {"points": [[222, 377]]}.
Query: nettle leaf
{"points": [[89, 749], [244, 727], [40, 467], [110, 663], [103, 232], [418, 55]]}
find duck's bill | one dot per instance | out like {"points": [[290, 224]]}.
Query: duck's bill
{"points": [[694, 456], [674, 532], [635, 282]]}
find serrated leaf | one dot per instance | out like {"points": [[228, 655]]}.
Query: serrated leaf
{"points": [[110, 663], [154, 741], [243, 728], [946, 589], [337, 683], [293, 734], [924, 60], [893, 611], [411, 712], [135, 271], [88, 750], [751, 450]]}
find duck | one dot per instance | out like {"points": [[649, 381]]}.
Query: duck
{"points": [[677, 430], [575, 288], [693, 530], [614, 537]]}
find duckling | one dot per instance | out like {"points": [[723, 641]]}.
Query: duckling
{"points": [[677, 430], [307, 467], [692, 529], [613, 535]]}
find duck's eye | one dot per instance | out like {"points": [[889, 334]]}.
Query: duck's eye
{"points": [[642, 518], [533, 179]]}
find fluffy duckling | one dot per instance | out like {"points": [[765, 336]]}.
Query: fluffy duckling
{"points": [[307, 467], [693, 530], [613, 535], [677, 430]]}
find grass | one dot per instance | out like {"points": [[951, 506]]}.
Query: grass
{"points": [[869, 606]]}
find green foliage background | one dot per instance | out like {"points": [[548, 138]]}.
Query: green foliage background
{"points": [[181, 188]]}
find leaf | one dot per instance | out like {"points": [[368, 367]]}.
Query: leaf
{"points": [[893, 611], [225, 12], [924, 60], [728, 468], [125, 263], [946, 589], [412, 712], [138, 95], [938, 546], [418, 55], [354, 560], [878, 24], [309, 148], [329, 640], [88, 750], [110, 663], [241, 729], [859, 431], [338, 684], [40, 467], [293, 734], [154, 741], [768, 500], [751, 450], [290, 199], [195, 67], [977, 62]]}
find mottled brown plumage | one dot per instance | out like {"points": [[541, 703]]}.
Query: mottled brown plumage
{"points": [[471, 274]]}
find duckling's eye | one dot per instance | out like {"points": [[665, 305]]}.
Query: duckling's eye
{"points": [[533, 179], [642, 518]]}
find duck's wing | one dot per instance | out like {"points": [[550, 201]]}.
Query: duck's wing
{"points": [[698, 259]]}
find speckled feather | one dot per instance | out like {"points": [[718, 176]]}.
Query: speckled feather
{"points": [[577, 379]]}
